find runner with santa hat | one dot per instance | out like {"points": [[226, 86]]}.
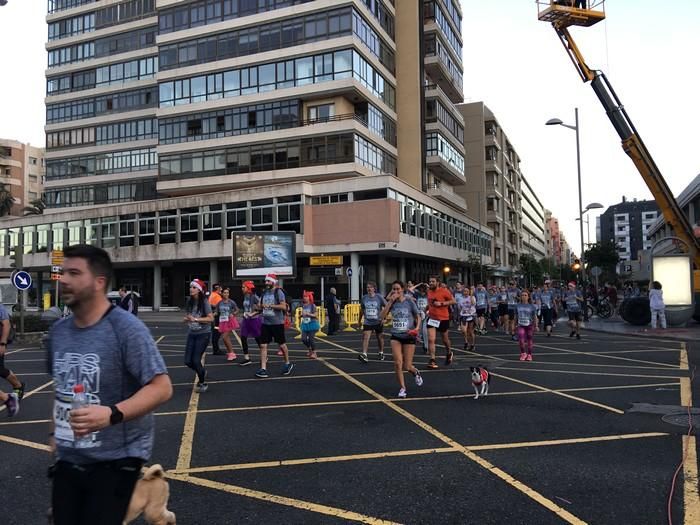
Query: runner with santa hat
{"points": [[199, 318], [274, 307]]}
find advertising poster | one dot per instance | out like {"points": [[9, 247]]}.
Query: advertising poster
{"points": [[256, 254]]}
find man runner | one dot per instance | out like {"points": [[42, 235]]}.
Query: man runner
{"points": [[573, 299], [274, 307], [371, 306], [18, 386], [482, 305], [439, 302]]}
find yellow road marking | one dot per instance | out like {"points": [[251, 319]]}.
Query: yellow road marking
{"points": [[598, 354], [281, 500], [160, 339], [531, 493], [17, 350], [686, 393], [590, 365], [424, 451], [578, 372], [691, 494], [25, 443], [269, 407], [184, 456], [558, 393], [641, 351], [31, 392]]}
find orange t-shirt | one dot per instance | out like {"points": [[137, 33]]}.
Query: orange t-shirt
{"points": [[214, 298], [441, 313]]}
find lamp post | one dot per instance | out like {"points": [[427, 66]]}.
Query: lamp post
{"points": [[575, 127], [591, 206]]}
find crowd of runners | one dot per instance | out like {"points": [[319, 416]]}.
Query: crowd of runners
{"points": [[415, 315]]}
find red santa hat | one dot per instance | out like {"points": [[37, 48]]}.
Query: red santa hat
{"points": [[199, 284]]}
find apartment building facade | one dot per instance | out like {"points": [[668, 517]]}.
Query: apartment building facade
{"points": [[21, 173], [627, 224], [533, 226], [172, 124]]}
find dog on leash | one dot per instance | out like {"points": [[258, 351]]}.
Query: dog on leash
{"points": [[150, 498], [481, 378]]}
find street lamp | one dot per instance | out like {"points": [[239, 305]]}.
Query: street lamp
{"points": [[575, 127], [591, 206]]}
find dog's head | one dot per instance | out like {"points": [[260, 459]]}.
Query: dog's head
{"points": [[478, 374]]}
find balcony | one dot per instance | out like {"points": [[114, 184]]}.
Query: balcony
{"points": [[436, 68], [446, 195], [445, 170]]}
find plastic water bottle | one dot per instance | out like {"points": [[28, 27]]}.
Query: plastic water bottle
{"points": [[80, 400]]}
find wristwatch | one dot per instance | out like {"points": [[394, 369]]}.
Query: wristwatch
{"points": [[117, 415]]}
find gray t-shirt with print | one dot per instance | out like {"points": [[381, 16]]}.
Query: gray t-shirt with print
{"points": [[525, 313], [112, 359], [272, 316], [371, 308], [225, 308], [193, 308], [403, 317]]}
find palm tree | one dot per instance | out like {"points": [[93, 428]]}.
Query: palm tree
{"points": [[36, 207], [6, 200]]}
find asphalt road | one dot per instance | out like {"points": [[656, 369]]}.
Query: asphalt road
{"points": [[556, 441]]}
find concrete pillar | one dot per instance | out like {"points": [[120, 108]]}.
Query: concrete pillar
{"points": [[213, 273], [157, 276], [402, 269], [381, 274], [355, 279]]}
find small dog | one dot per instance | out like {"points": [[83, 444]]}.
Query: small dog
{"points": [[150, 497], [480, 377]]}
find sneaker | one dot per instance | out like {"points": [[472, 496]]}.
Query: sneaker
{"points": [[466, 346], [201, 388], [528, 357], [280, 353], [231, 356], [380, 356], [448, 358], [363, 357], [523, 355], [262, 373], [549, 334], [311, 355], [402, 393], [12, 404], [246, 361], [432, 365], [287, 368], [578, 336], [20, 391], [573, 332], [514, 338], [419, 379]]}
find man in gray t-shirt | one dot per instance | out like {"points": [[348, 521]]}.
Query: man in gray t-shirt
{"points": [[273, 305], [18, 386], [108, 352], [371, 306]]}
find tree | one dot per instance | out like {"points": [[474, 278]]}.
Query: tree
{"points": [[604, 255], [36, 207], [477, 271], [531, 268], [6, 200]]}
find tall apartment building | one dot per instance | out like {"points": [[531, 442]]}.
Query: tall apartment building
{"points": [[689, 201], [494, 194], [172, 124], [627, 224], [21, 173], [553, 237], [534, 238]]}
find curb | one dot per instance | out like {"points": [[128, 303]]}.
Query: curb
{"points": [[675, 337]]}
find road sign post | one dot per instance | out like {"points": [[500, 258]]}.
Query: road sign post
{"points": [[56, 269], [22, 281]]}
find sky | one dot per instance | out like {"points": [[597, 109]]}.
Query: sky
{"points": [[516, 65]]}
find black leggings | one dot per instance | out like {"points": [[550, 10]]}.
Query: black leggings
{"points": [[244, 344], [96, 494], [195, 347], [4, 372]]}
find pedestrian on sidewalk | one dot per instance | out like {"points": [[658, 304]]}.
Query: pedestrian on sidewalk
{"points": [[18, 386], [656, 303], [199, 318]]}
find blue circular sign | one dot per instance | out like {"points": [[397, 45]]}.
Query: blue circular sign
{"points": [[22, 280], [349, 272]]}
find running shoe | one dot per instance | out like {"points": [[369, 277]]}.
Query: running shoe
{"points": [[514, 338], [20, 391], [573, 332], [402, 393], [245, 362], [578, 336], [262, 373], [380, 356], [549, 334], [231, 356], [12, 404], [448, 358], [280, 353], [523, 356], [432, 364], [201, 387], [287, 368], [419, 379], [363, 357], [466, 346], [529, 357]]}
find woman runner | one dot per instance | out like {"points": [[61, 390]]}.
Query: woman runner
{"points": [[309, 323], [227, 310], [199, 319], [251, 325], [466, 303], [526, 317], [404, 322]]}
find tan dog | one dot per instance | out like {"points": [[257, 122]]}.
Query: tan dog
{"points": [[150, 497]]}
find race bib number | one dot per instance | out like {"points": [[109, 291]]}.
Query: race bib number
{"points": [[61, 419], [223, 318], [306, 320], [371, 313], [268, 312], [468, 318], [400, 325], [435, 323]]}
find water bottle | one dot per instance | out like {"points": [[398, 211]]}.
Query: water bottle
{"points": [[80, 400]]}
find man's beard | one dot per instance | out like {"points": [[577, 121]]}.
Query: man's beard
{"points": [[77, 298]]}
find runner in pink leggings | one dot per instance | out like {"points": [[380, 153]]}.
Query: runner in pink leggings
{"points": [[526, 317]]}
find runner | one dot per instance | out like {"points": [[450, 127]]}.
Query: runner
{"points": [[513, 294], [214, 300], [466, 303], [439, 301], [309, 323], [454, 309], [371, 306], [526, 315], [482, 305], [199, 318], [503, 309], [404, 323], [536, 299], [547, 307], [420, 294], [18, 386], [493, 306], [273, 310], [574, 299], [227, 309], [251, 325], [557, 307], [11, 402]]}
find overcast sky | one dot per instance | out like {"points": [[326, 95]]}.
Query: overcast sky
{"points": [[516, 65]]}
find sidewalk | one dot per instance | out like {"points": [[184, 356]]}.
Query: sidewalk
{"points": [[691, 332]]}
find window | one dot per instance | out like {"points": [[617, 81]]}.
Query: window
{"points": [[236, 217], [167, 226], [147, 228], [211, 222], [189, 225], [321, 113]]}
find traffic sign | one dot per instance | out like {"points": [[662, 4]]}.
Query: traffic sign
{"points": [[326, 260], [22, 280], [57, 257], [348, 272], [596, 271]]}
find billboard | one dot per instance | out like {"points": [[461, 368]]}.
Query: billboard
{"points": [[256, 254]]}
